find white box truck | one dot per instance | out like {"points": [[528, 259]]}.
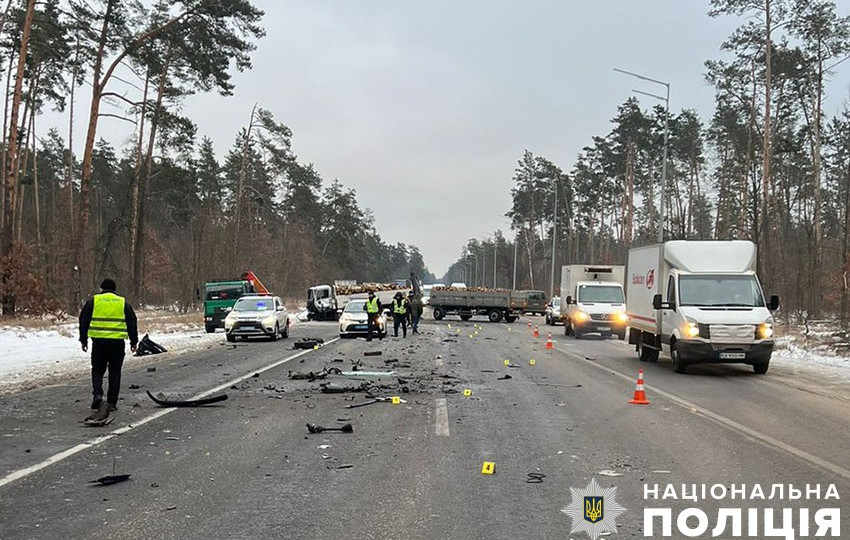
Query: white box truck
{"points": [[699, 301], [592, 300]]}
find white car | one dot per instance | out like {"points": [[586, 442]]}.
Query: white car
{"points": [[257, 315], [354, 320]]}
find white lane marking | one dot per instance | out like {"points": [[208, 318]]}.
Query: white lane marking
{"points": [[766, 440], [442, 418], [56, 458]]}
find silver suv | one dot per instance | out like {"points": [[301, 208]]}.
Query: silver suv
{"points": [[257, 315]]}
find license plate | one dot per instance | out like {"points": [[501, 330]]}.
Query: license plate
{"points": [[604, 328], [732, 356]]}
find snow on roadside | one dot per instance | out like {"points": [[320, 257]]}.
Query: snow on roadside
{"points": [[32, 358]]}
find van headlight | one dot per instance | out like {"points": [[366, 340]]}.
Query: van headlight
{"points": [[581, 316], [621, 318], [691, 330], [764, 330]]}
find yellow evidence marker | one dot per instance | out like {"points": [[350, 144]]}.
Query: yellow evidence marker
{"points": [[531, 362], [489, 467], [396, 400], [467, 392], [507, 362]]}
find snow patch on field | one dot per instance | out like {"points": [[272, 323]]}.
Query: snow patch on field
{"points": [[31, 358]]}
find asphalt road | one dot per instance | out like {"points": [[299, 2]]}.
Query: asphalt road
{"points": [[248, 468]]}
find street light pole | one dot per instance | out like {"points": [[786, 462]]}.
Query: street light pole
{"points": [[516, 243], [554, 236], [495, 250], [666, 100]]}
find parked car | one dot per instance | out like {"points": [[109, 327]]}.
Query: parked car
{"points": [[257, 315], [354, 320], [553, 311]]}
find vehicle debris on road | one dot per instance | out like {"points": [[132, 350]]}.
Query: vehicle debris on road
{"points": [[313, 428], [162, 402]]}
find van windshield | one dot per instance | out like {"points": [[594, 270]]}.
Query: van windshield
{"points": [[603, 294], [720, 291]]}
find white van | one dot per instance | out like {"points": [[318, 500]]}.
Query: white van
{"points": [[699, 301]]}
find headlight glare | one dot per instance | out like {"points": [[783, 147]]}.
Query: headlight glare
{"points": [[765, 330], [691, 330]]}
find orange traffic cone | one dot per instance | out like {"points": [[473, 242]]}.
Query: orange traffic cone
{"points": [[549, 341], [536, 332], [640, 393]]}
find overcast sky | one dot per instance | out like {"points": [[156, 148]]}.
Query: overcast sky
{"points": [[424, 108]]}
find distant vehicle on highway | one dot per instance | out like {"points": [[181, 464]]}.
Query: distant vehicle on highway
{"points": [[594, 301], [354, 320], [553, 311], [257, 315], [496, 304], [529, 302]]}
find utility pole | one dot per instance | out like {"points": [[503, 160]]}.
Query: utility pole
{"points": [[554, 236]]}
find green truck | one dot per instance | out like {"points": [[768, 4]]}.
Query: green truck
{"points": [[221, 294]]}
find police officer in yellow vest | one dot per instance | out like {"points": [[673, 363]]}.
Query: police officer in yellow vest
{"points": [[373, 311], [108, 320], [400, 308]]}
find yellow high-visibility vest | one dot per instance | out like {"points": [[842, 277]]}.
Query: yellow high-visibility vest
{"points": [[107, 319], [399, 307], [372, 305]]}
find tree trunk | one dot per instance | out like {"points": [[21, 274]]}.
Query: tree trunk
{"points": [[762, 232], [135, 202], [7, 253], [139, 255], [84, 258]]}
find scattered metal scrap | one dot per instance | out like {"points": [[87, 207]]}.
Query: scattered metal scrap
{"points": [[162, 402], [110, 479], [535, 478], [373, 401], [313, 428], [373, 353], [308, 343], [331, 388], [311, 376]]}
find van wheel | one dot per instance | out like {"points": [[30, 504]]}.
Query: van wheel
{"points": [[680, 365], [761, 369], [439, 313], [285, 333], [495, 315], [646, 354]]}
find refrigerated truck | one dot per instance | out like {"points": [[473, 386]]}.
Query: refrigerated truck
{"points": [[592, 300], [700, 302]]}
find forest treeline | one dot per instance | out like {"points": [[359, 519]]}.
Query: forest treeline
{"points": [[769, 165], [162, 213]]}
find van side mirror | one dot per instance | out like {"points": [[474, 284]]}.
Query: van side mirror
{"points": [[569, 299], [658, 303], [773, 304]]}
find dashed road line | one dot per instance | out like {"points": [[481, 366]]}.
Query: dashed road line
{"points": [[442, 418], [56, 458]]}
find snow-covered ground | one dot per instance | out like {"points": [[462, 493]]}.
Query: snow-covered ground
{"points": [[31, 358]]}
